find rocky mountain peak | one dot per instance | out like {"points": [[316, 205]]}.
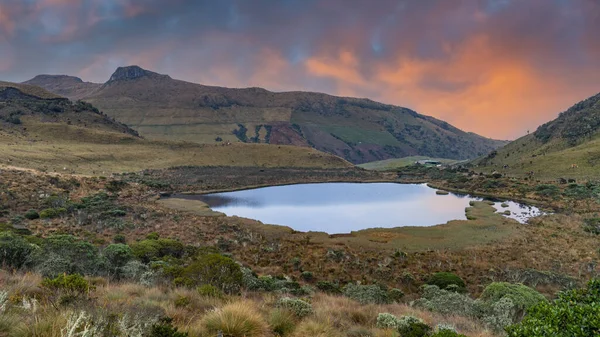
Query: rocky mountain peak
{"points": [[131, 73]]}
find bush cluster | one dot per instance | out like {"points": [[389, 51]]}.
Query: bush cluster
{"points": [[575, 313], [299, 307]]}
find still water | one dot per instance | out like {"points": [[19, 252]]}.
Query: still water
{"points": [[346, 207]]}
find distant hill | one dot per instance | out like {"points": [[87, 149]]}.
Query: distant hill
{"points": [[359, 130], [568, 146], [44, 131], [392, 164]]}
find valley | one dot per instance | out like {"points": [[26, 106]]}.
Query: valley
{"points": [[71, 172]]}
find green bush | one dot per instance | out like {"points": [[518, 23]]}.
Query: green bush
{"points": [[60, 254], [387, 321], [50, 213], [119, 238], [217, 270], [521, 296], [395, 294], [153, 236], [299, 307], [575, 313], [117, 255], [307, 276], [153, 249], [592, 225], [14, 250], [448, 302], [208, 290], [146, 250], [66, 289], [366, 294], [32, 214], [547, 190], [445, 279], [329, 287], [407, 326]]}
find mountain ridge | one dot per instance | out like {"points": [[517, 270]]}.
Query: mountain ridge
{"points": [[565, 147], [359, 130]]}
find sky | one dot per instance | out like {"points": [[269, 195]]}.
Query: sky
{"points": [[495, 67]]}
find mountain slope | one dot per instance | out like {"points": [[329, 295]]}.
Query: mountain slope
{"points": [[44, 131], [359, 130], [567, 147]]}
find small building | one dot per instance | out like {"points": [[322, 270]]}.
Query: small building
{"points": [[429, 162]]}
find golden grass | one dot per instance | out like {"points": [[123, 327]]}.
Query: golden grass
{"points": [[253, 316], [57, 147], [237, 319], [487, 227]]}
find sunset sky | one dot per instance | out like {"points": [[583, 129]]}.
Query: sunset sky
{"points": [[494, 67]]}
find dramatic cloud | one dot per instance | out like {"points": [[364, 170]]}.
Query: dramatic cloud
{"points": [[495, 67]]}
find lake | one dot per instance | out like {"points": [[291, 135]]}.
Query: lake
{"points": [[345, 207]]}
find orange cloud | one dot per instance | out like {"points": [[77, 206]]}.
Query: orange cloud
{"points": [[476, 86]]}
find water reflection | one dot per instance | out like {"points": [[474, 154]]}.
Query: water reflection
{"points": [[343, 207]]}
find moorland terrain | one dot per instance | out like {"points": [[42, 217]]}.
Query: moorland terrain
{"points": [[89, 247], [359, 130]]}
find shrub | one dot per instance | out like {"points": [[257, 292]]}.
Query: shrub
{"points": [[50, 213], [62, 254], [395, 294], [14, 250], [444, 280], [547, 190], [136, 271], [153, 236], [208, 290], [146, 250], [282, 321], [32, 214], [217, 270], [387, 321], [575, 313], [117, 256], [165, 328], [298, 307], [521, 296], [238, 319], [66, 288], [448, 302], [152, 249], [120, 238], [307, 276], [366, 294], [329, 287], [592, 225]]}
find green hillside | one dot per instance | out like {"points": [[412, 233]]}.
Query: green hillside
{"points": [[359, 130], [567, 147]]}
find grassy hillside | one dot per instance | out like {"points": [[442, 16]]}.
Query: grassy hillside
{"points": [[567, 147], [390, 164], [57, 135], [359, 130]]}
